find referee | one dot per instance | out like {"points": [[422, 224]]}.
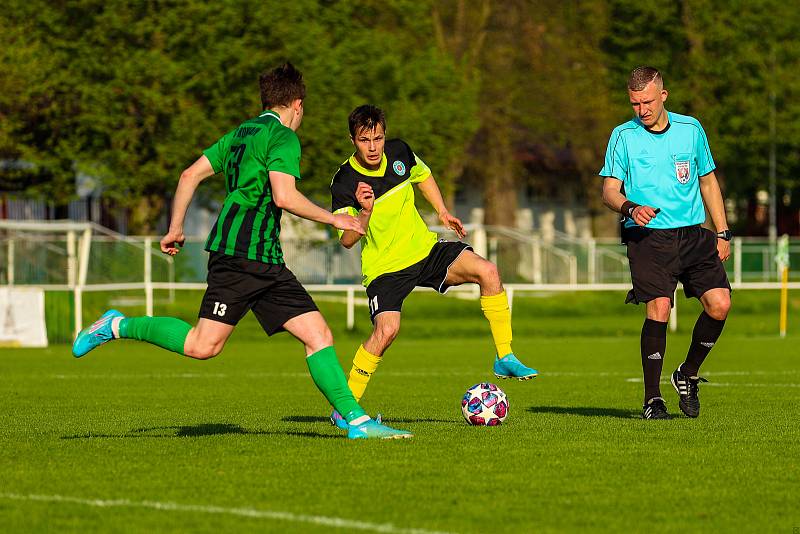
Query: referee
{"points": [[659, 174]]}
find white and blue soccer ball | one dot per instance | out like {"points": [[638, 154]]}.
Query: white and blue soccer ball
{"points": [[484, 404]]}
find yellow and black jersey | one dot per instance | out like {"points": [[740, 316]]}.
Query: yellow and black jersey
{"points": [[397, 237]]}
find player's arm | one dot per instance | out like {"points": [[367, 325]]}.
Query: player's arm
{"points": [[615, 200], [430, 190], [287, 197], [712, 198], [190, 179], [366, 199]]}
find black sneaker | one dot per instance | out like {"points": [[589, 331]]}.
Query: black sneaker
{"points": [[687, 388], [655, 409]]}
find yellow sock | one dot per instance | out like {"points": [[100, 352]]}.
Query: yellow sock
{"points": [[364, 364], [495, 309]]}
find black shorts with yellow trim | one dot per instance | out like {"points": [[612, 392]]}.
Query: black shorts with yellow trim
{"points": [[388, 291], [237, 285], [660, 258]]}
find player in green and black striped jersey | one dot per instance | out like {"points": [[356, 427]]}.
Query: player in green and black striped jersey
{"points": [[260, 160]]}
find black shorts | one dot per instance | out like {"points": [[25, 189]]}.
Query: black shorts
{"points": [[236, 285], [661, 258], [388, 291]]}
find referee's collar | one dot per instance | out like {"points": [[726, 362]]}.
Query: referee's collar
{"points": [[660, 132]]}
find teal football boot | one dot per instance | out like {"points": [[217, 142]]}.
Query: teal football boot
{"points": [[371, 429], [338, 421], [97, 334], [510, 367]]}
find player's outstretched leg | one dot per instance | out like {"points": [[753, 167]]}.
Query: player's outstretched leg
{"points": [[327, 373], [201, 342], [95, 335], [506, 364], [471, 268]]}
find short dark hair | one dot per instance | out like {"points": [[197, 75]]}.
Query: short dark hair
{"points": [[281, 86], [641, 76], [366, 117]]}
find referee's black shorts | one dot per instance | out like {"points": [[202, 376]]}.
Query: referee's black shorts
{"points": [[238, 285], [659, 259]]}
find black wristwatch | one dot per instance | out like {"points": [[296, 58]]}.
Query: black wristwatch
{"points": [[727, 235]]}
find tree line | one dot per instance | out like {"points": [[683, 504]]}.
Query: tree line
{"points": [[499, 96]]}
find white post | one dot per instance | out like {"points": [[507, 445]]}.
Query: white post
{"points": [[72, 268], [84, 248], [479, 242], [493, 250], [673, 315], [351, 308], [573, 270], [510, 295], [148, 276], [78, 296], [591, 251], [537, 261], [737, 261], [10, 272]]}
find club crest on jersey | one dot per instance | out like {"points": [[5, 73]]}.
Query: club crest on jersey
{"points": [[399, 168], [682, 171]]}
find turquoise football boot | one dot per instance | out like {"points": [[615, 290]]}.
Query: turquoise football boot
{"points": [[371, 429], [97, 334], [510, 367], [338, 421]]}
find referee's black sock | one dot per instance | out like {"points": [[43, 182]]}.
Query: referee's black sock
{"points": [[654, 344], [705, 334]]}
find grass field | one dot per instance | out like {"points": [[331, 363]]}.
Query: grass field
{"points": [[132, 438]]}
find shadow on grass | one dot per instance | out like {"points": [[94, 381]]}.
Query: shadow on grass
{"points": [[194, 431], [586, 411], [319, 419]]}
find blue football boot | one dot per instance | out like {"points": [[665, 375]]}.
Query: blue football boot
{"points": [[338, 421], [371, 429], [510, 367], [97, 334]]}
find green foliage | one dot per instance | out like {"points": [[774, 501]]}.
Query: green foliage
{"points": [[132, 93]]}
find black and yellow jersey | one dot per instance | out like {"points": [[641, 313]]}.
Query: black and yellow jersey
{"points": [[397, 237]]}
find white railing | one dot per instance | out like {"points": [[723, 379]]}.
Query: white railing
{"points": [[573, 264]]}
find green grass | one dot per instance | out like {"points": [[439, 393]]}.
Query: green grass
{"points": [[248, 430]]}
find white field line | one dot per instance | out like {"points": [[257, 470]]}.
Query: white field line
{"points": [[327, 521], [728, 384], [544, 374]]}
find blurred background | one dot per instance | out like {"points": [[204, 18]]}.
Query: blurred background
{"points": [[102, 104]]}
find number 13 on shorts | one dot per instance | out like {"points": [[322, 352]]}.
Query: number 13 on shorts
{"points": [[219, 309]]}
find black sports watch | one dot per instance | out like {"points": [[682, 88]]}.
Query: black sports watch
{"points": [[727, 235]]}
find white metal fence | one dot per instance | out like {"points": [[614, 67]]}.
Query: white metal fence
{"points": [[84, 257]]}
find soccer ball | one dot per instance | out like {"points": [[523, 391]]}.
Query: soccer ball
{"points": [[484, 404]]}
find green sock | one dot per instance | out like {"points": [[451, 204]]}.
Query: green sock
{"points": [[329, 377], [166, 332]]}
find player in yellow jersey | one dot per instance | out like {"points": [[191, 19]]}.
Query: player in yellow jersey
{"points": [[399, 252]]}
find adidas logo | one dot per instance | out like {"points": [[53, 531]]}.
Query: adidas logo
{"points": [[655, 356], [361, 371], [707, 344]]}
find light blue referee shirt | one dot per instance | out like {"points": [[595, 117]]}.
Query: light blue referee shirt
{"points": [[662, 169]]}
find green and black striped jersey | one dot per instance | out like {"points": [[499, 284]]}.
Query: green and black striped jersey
{"points": [[249, 224]]}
